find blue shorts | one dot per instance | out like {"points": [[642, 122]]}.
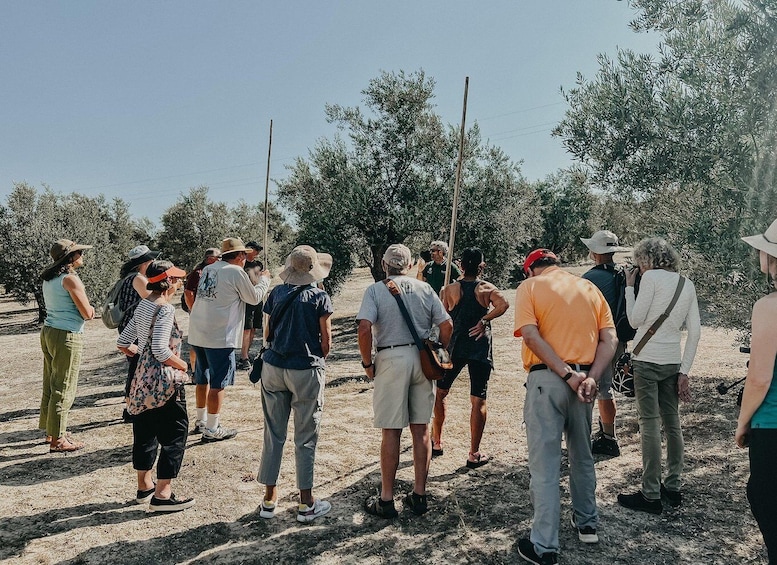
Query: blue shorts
{"points": [[215, 367]]}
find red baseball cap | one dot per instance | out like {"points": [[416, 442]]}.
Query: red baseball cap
{"points": [[535, 256]]}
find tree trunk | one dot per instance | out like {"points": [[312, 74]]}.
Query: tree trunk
{"points": [[41, 305], [376, 269]]}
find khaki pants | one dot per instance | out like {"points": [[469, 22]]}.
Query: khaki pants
{"points": [[657, 403], [61, 364]]}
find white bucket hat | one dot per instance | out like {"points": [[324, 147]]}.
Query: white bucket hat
{"points": [[603, 242], [766, 241], [305, 266]]}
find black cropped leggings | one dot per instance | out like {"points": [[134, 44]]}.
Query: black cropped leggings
{"points": [[762, 485]]}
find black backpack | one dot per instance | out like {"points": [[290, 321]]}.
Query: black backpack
{"points": [[622, 327]]}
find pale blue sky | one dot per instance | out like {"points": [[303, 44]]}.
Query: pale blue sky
{"points": [[144, 100]]}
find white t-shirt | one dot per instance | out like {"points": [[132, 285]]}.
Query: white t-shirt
{"points": [[217, 317], [656, 290]]}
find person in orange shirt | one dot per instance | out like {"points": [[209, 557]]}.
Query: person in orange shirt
{"points": [[568, 342]]}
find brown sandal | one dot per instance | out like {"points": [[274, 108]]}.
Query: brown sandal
{"points": [[65, 445]]}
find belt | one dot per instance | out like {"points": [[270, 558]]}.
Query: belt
{"points": [[575, 366], [382, 347]]}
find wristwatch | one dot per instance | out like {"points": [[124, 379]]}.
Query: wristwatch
{"points": [[568, 376], [368, 365]]}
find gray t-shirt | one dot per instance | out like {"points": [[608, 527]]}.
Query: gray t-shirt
{"points": [[388, 325]]}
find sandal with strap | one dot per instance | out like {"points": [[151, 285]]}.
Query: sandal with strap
{"points": [[480, 460], [374, 506], [65, 445]]}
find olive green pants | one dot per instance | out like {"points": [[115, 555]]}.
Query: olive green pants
{"points": [[61, 363]]}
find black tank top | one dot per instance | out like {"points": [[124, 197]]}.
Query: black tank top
{"points": [[465, 315]]}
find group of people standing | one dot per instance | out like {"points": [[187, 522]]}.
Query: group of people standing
{"points": [[568, 350]]}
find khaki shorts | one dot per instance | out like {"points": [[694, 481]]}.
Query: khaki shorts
{"points": [[402, 394]]}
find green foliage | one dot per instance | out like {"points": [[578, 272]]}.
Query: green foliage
{"points": [[30, 222], [393, 181], [565, 213], [690, 137], [195, 223]]}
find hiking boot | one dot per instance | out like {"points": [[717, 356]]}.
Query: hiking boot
{"points": [[526, 550], [267, 509], [585, 534], [637, 501], [219, 434], [416, 503], [199, 427], [380, 508], [605, 445], [307, 513], [144, 496], [171, 504], [243, 364], [673, 497]]}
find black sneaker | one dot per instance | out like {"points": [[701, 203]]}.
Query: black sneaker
{"points": [[380, 508], [673, 497], [526, 550], [144, 496], [416, 503], [171, 504], [637, 501], [586, 534], [605, 445]]}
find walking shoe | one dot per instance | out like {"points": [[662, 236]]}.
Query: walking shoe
{"points": [[526, 550], [199, 427], [219, 434], [637, 501], [416, 503], [605, 445], [307, 513], [267, 509], [144, 496], [171, 504], [243, 364], [586, 534], [673, 497], [380, 508]]}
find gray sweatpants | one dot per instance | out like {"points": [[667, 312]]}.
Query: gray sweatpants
{"points": [[552, 408], [282, 391]]}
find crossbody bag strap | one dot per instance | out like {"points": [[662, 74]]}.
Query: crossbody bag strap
{"points": [[396, 293], [282, 310], [657, 324]]}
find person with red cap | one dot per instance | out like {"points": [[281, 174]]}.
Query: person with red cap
{"points": [[568, 341]]}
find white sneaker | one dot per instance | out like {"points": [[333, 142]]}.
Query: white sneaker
{"points": [[199, 427], [267, 509], [219, 434], [586, 534], [307, 513]]}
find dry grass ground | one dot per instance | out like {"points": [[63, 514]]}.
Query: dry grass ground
{"points": [[79, 508]]}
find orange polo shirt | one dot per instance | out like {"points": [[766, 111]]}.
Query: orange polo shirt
{"points": [[568, 310]]}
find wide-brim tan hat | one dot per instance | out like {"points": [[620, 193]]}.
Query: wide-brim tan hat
{"points": [[61, 249], [232, 245], [766, 241], [305, 265], [603, 242]]}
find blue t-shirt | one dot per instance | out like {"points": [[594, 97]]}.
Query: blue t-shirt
{"points": [[766, 415], [61, 312], [296, 339]]}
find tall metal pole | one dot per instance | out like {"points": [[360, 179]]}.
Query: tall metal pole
{"points": [[452, 238], [267, 199]]}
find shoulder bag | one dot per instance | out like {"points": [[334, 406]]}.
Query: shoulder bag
{"points": [[435, 359], [256, 370], [623, 377], [154, 383]]}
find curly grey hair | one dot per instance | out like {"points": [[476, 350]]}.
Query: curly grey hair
{"points": [[441, 245], [656, 253]]}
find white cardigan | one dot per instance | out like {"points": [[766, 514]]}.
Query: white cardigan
{"points": [[655, 293]]}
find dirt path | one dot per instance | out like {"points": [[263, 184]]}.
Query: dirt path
{"points": [[80, 509]]}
